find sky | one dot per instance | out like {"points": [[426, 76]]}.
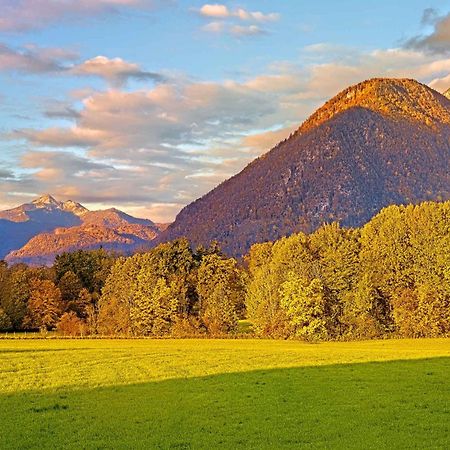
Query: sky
{"points": [[146, 105]]}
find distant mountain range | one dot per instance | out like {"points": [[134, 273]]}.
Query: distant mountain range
{"points": [[380, 142], [34, 233]]}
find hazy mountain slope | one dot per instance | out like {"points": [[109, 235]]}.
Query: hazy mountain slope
{"points": [[382, 141], [43, 248]]}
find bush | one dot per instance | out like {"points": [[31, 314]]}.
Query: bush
{"points": [[71, 325], [185, 327]]}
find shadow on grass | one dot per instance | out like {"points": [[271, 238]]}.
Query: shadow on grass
{"points": [[396, 404]]}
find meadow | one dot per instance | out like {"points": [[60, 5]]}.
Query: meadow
{"points": [[204, 393]]}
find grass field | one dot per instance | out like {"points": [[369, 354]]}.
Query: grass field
{"points": [[232, 394]]}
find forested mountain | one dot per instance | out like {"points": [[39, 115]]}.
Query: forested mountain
{"points": [[380, 142], [36, 232]]}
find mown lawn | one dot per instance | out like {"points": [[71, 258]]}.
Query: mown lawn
{"points": [[224, 394]]}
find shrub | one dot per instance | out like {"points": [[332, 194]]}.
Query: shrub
{"points": [[70, 325]]}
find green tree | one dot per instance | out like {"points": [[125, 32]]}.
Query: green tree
{"points": [[261, 294], [268, 266], [15, 295], [118, 296], [306, 306], [131, 284], [366, 312], [90, 267], [220, 314], [5, 322], [155, 308], [221, 292], [70, 287]]}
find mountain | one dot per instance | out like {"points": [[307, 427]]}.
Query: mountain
{"points": [[19, 225], [34, 233], [380, 142]]}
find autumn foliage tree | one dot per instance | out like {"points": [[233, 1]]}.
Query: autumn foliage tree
{"points": [[44, 306]]}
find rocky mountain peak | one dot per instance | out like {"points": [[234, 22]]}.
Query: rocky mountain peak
{"points": [[398, 99], [74, 207], [46, 200]]}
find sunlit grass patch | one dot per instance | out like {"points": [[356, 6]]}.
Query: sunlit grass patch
{"points": [[224, 394]]}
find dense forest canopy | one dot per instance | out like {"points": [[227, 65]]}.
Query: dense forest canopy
{"points": [[389, 277]]}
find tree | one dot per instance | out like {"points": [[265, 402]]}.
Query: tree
{"points": [[44, 306], [113, 317], [366, 312], [336, 251], [170, 258], [433, 309], [5, 322], [268, 266], [220, 314], [220, 288], [131, 286], [84, 304], [70, 325], [306, 306], [70, 287], [155, 308], [386, 251], [91, 267], [405, 306], [118, 296], [15, 295]]}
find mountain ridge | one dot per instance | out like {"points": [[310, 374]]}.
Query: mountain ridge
{"points": [[379, 142], [36, 232]]}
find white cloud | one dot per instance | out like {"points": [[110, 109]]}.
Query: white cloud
{"points": [[219, 11], [216, 11], [256, 16], [116, 71], [227, 20], [214, 27], [32, 59], [250, 30], [20, 15]]}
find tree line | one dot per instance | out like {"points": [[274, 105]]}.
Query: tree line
{"points": [[390, 277]]}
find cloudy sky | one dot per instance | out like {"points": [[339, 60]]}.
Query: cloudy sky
{"points": [[146, 105]]}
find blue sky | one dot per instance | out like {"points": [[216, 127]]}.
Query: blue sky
{"points": [[146, 105]]}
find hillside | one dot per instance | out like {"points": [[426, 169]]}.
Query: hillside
{"points": [[381, 142], [36, 232]]}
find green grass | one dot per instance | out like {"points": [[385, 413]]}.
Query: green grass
{"points": [[224, 394]]}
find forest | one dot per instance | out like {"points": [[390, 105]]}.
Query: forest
{"points": [[389, 278]]}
